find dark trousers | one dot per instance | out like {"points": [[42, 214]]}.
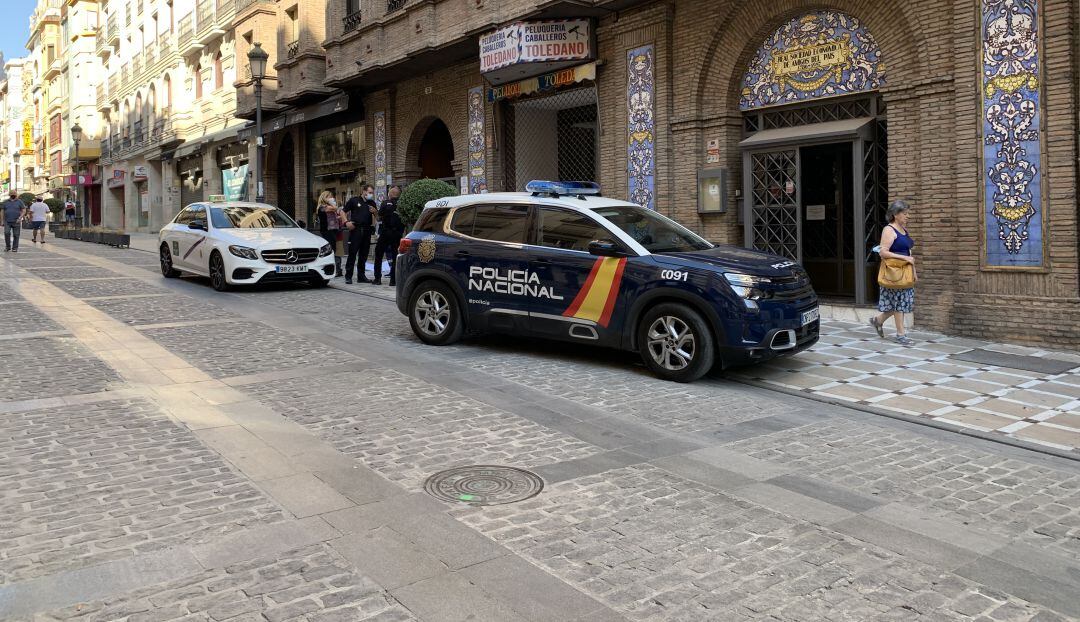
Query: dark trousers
{"points": [[385, 247], [12, 229], [359, 247], [330, 235]]}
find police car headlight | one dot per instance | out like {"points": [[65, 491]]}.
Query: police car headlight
{"points": [[325, 250], [746, 285], [243, 252]]}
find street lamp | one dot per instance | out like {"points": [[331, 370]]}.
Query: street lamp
{"points": [[76, 137], [257, 58]]}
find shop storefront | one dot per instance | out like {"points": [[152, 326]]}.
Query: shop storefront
{"points": [[542, 81], [115, 185], [232, 161], [336, 157], [189, 169], [139, 176]]}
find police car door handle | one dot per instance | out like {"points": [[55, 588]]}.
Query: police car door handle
{"points": [[541, 262], [461, 254]]}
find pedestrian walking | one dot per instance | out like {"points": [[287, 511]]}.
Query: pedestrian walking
{"points": [[14, 213], [331, 221], [897, 275], [39, 216], [391, 228], [69, 211], [360, 214]]}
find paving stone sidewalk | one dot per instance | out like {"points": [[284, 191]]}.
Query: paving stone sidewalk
{"points": [[932, 379]]}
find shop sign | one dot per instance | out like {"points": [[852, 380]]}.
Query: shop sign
{"points": [[712, 151], [535, 47], [542, 83], [234, 182], [144, 201], [27, 138], [117, 179], [138, 173], [83, 180]]}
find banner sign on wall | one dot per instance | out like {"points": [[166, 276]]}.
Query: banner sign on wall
{"points": [[546, 82], [477, 142], [234, 182], [641, 126], [1011, 141], [539, 46]]}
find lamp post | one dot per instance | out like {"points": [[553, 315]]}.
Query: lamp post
{"points": [[76, 137], [257, 58]]}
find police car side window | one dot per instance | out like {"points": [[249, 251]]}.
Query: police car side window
{"points": [[569, 230], [432, 221], [500, 223], [463, 221]]}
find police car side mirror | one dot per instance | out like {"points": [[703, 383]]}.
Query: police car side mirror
{"points": [[605, 248], [197, 224]]}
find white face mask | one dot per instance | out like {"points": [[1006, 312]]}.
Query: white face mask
{"points": [[332, 202], [370, 196]]}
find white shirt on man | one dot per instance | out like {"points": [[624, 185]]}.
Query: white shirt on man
{"points": [[39, 211]]}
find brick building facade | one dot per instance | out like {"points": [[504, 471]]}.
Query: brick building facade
{"points": [[680, 114]]}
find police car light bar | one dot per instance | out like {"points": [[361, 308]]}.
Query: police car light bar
{"points": [[562, 188]]}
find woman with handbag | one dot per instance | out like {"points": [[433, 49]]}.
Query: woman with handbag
{"points": [[896, 273], [330, 225]]}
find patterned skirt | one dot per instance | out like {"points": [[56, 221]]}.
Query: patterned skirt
{"points": [[902, 300]]}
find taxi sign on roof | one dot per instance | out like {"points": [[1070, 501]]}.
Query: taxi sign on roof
{"points": [[560, 188], [217, 198]]}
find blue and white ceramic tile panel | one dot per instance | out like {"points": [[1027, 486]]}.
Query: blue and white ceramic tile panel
{"points": [[477, 141], [1010, 140], [819, 54], [380, 155], [641, 126]]}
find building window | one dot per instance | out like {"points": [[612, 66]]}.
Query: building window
{"points": [[55, 132], [166, 86], [57, 163], [219, 77], [198, 81]]}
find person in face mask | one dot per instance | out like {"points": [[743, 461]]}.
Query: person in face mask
{"points": [[390, 231], [330, 224], [360, 221]]}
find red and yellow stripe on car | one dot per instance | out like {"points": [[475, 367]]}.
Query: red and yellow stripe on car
{"points": [[596, 300]]}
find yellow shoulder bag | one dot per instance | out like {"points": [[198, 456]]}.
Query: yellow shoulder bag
{"points": [[896, 274]]}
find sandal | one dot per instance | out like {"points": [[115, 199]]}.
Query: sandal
{"points": [[904, 340], [877, 327]]}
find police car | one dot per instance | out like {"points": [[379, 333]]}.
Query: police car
{"points": [[561, 262], [235, 243]]}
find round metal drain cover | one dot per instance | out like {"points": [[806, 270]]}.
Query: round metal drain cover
{"points": [[484, 485]]}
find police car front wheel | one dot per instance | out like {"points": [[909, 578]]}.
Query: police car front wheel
{"points": [[434, 315], [675, 342]]}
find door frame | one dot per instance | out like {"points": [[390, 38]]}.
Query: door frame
{"points": [[858, 138]]}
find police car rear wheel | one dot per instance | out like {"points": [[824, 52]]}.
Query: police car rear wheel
{"points": [[167, 269], [433, 315], [675, 343]]}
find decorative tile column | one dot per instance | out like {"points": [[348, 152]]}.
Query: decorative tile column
{"points": [[477, 141], [641, 126]]}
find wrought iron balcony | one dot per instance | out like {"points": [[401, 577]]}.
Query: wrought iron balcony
{"points": [[127, 15], [186, 32], [204, 15], [394, 5], [292, 49], [139, 7], [151, 56], [243, 4], [136, 67], [351, 21], [112, 29]]}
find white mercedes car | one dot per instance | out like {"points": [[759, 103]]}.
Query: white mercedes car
{"points": [[241, 243]]}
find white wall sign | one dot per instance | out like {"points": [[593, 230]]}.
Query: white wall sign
{"points": [[815, 212]]}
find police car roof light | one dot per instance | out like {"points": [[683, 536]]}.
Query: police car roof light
{"points": [[562, 188]]}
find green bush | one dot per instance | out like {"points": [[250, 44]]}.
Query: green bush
{"points": [[412, 199], [27, 198], [56, 206]]}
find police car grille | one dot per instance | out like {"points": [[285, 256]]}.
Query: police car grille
{"points": [[303, 255]]}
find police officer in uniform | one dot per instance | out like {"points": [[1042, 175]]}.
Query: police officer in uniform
{"points": [[391, 228], [360, 220]]}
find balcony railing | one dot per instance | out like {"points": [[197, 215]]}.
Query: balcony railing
{"points": [[114, 84], [151, 56], [292, 49], [186, 32], [243, 4], [112, 30], [139, 7], [125, 74], [100, 94], [165, 45], [136, 67], [225, 6], [204, 12], [351, 21], [394, 5], [127, 15]]}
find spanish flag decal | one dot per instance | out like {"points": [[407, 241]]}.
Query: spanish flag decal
{"points": [[596, 300]]}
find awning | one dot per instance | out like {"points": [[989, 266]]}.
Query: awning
{"points": [[196, 143], [327, 107], [812, 132]]}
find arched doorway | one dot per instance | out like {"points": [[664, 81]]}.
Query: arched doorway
{"points": [[286, 178], [436, 153], [814, 169]]}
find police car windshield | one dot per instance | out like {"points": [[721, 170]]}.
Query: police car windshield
{"points": [[248, 217], [656, 233]]}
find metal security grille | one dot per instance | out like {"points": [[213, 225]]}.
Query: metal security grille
{"points": [[875, 189], [551, 137], [775, 208], [817, 113]]}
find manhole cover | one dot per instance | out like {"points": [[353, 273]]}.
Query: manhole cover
{"points": [[484, 485]]}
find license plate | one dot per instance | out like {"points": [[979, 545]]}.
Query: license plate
{"points": [[290, 269], [810, 316]]}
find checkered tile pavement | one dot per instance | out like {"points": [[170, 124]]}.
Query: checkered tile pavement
{"points": [[852, 364]]}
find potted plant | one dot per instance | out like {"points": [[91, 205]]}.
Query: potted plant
{"points": [[412, 200]]}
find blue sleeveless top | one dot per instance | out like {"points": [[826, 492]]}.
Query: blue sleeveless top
{"points": [[902, 244]]}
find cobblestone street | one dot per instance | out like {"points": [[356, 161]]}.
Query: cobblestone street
{"points": [[168, 452]]}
